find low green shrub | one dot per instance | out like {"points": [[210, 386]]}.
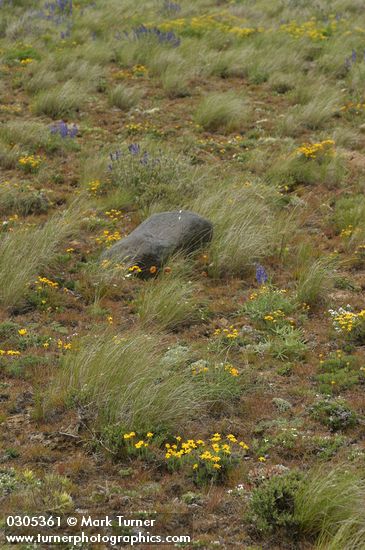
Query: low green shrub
{"points": [[272, 505], [334, 413]]}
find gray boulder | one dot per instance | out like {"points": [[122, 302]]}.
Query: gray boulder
{"points": [[160, 236]]}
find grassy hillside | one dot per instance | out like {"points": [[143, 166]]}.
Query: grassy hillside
{"points": [[229, 386]]}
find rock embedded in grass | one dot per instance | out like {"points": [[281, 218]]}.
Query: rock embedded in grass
{"points": [[160, 236]]}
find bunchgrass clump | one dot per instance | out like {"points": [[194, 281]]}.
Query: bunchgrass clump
{"points": [[168, 302], [328, 507], [26, 251], [309, 164], [22, 200], [223, 382], [175, 81], [315, 280], [8, 156], [122, 381], [224, 112], [59, 102], [124, 97], [34, 136], [100, 280], [349, 215], [314, 107], [243, 221]]}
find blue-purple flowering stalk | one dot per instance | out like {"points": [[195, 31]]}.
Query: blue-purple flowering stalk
{"points": [[171, 7], [261, 275], [134, 148], [145, 33], [58, 13], [151, 176], [63, 6], [352, 59], [114, 157], [62, 129]]}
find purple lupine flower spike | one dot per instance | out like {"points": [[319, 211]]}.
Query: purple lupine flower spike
{"points": [[261, 275]]}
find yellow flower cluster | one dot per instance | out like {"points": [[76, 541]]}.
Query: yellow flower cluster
{"points": [[135, 269], [232, 371], [309, 29], [264, 290], [114, 215], [353, 107], [313, 150], [30, 162], [203, 369], [213, 452], [9, 222], [231, 333], [141, 443], [347, 321], [10, 108], [9, 352], [347, 232], [219, 22], [94, 186], [274, 316], [137, 71], [46, 282], [137, 127], [26, 61], [199, 370], [63, 345], [221, 145], [108, 238], [22, 332]]}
